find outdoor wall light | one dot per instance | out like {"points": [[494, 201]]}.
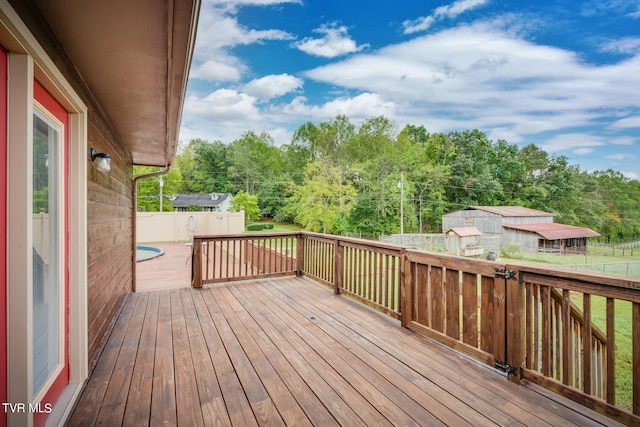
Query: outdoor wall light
{"points": [[104, 160]]}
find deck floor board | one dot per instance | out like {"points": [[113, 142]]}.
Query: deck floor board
{"points": [[287, 351]]}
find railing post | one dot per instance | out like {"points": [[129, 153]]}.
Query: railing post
{"points": [[300, 255], [635, 342], [338, 265], [406, 290], [515, 318], [196, 263]]}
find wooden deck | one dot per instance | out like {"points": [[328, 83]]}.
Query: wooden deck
{"points": [[172, 270], [287, 351]]}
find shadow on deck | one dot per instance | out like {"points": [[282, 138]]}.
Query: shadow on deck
{"points": [[287, 351]]}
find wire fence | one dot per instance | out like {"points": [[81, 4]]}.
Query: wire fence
{"points": [[626, 249], [627, 269]]}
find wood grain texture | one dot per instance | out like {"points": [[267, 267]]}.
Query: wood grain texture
{"points": [[288, 351]]}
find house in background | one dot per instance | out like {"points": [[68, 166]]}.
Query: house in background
{"points": [[532, 230], [214, 202], [83, 74]]}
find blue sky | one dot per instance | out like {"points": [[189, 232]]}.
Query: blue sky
{"points": [[562, 74]]}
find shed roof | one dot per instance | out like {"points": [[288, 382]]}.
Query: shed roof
{"points": [[204, 200], [553, 231], [465, 231], [510, 211]]}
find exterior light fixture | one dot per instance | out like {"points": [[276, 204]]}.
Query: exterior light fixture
{"points": [[103, 162]]}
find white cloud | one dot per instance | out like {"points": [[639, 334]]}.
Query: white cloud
{"points": [[272, 86], [620, 156], [449, 11], [599, 7], [572, 141], [221, 70], [583, 151], [628, 45], [360, 107], [622, 140], [627, 123], [220, 115], [481, 75], [335, 42], [235, 3], [223, 104], [631, 175], [218, 30]]}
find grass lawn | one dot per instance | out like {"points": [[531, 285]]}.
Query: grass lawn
{"points": [[623, 336], [278, 227]]}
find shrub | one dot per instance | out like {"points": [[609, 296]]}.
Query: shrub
{"points": [[256, 226], [511, 250]]}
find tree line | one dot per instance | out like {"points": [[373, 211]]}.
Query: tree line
{"points": [[338, 177]]}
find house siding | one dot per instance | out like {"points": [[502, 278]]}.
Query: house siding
{"points": [[109, 199], [109, 237]]}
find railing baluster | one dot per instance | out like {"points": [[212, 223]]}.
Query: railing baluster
{"points": [[635, 321], [529, 305], [610, 353], [566, 338], [546, 330], [452, 281], [470, 313], [586, 343]]}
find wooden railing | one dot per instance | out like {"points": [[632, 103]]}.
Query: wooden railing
{"points": [[461, 303], [367, 271], [535, 323], [242, 257], [565, 350]]}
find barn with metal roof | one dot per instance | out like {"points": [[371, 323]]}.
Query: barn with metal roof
{"points": [[531, 229]]}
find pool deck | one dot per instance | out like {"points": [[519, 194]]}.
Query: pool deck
{"points": [[169, 271]]}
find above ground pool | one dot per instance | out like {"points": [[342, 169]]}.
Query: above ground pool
{"points": [[144, 253]]}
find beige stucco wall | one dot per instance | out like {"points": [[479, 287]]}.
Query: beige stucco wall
{"points": [[181, 226]]}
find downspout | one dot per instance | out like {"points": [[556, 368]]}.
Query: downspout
{"points": [[135, 216]]}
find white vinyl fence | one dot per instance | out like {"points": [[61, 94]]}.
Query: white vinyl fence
{"points": [[182, 226]]}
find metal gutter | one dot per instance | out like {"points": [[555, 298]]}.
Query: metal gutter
{"points": [[134, 193]]}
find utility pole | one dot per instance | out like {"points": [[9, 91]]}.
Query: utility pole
{"points": [[161, 185]]}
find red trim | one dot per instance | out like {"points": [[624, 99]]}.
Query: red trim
{"points": [[3, 233], [43, 97]]}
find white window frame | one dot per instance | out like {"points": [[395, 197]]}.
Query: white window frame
{"points": [[28, 61]]}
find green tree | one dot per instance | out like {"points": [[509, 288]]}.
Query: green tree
{"points": [[621, 200], [323, 201], [331, 140], [204, 167], [471, 180], [253, 157], [148, 191], [247, 202]]}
